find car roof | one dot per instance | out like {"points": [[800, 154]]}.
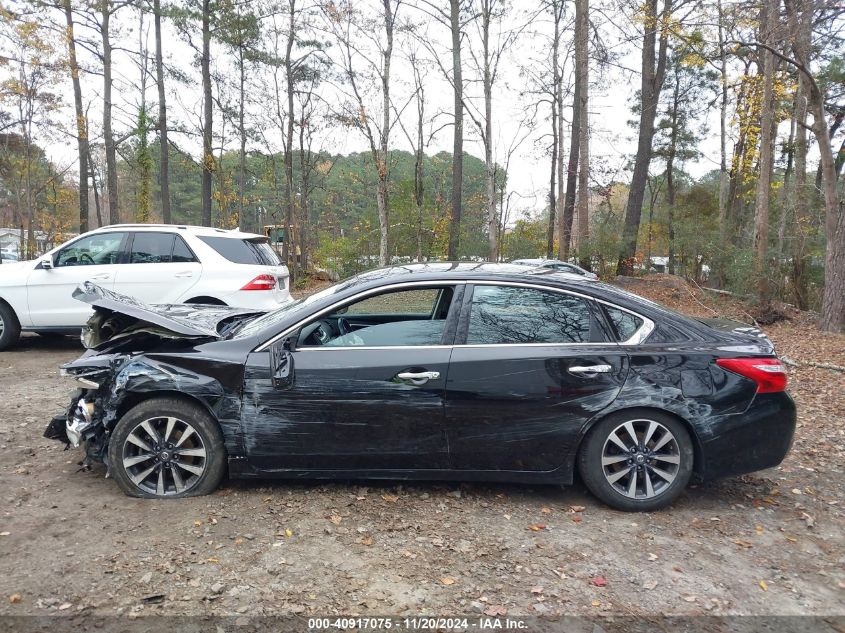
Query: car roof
{"points": [[186, 228]]}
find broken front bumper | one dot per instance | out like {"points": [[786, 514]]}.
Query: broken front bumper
{"points": [[70, 428]]}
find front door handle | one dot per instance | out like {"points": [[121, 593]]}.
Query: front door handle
{"points": [[418, 378], [184, 273], [101, 276], [590, 370]]}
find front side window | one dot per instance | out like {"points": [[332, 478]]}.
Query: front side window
{"points": [[151, 248], [405, 318], [99, 249], [513, 315]]}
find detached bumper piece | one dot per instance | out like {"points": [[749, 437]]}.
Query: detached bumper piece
{"points": [[57, 429]]}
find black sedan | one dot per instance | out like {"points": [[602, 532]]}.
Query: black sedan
{"points": [[448, 371]]}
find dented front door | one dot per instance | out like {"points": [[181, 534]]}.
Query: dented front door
{"points": [[347, 409]]}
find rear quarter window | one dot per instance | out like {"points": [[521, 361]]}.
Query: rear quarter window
{"points": [[623, 322], [243, 251]]}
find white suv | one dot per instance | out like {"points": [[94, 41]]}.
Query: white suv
{"points": [[155, 263]]}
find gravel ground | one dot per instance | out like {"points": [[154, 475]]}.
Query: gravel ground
{"points": [[768, 543]]}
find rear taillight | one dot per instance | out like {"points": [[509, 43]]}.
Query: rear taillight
{"points": [[262, 282], [768, 373]]}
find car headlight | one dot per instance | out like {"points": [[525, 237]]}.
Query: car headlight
{"points": [[84, 379]]}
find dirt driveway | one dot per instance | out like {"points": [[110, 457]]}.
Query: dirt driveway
{"points": [[70, 542]]}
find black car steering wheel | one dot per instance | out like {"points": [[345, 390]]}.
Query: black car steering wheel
{"points": [[316, 333]]}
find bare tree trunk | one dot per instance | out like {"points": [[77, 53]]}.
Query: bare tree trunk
{"points": [[723, 131], [670, 173], [164, 148], [208, 115], [557, 115], [289, 193], [382, 158], [582, 63], [490, 176], [768, 18], [571, 177], [108, 135], [81, 123], [458, 143], [243, 223], [653, 72]]}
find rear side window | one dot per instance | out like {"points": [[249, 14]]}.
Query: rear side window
{"points": [[504, 314], [181, 253], [623, 322], [242, 251], [159, 248]]}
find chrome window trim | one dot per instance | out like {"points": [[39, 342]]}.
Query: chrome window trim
{"points": [[638, 337], [361, 295]]}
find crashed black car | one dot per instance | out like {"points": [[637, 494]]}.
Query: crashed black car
{"points": [[444, 371]]}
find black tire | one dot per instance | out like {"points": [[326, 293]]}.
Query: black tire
{"points": [[10, 328], [650, 490], [156, 412]]}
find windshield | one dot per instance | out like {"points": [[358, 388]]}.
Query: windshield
{"points": [[275, 317]]}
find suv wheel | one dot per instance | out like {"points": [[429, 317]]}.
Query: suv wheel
{"points": [[167, 447], [637, 461], [10, 329]]}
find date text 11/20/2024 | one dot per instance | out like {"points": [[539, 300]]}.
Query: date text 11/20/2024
{"points": [[420, 623]]}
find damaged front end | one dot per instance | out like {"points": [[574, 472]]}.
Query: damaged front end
{"points": [[116, 366]]}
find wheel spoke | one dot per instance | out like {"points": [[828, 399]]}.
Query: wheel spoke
{"points": [[632, 485], [666, 457], [188, 432], [160, 483], [192, 452], [151, 431], [197, 470], [136, 479], [177, 478], [662, 473], [616, 440], [136, 459], [137, 441], [652, 427], [613, 459], [171, 422], [667, 437], [629, 426], [649, 487], [618, 475]]}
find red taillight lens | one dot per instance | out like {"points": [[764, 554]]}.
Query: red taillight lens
{"points": [[262, 282], [768, 373]]}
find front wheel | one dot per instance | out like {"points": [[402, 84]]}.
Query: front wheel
{"points": [[10, 329], [637, 461], [167, 447]]}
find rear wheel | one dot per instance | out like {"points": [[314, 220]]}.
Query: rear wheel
{"points": [[10, 329], [637, 461], [167, 447]]}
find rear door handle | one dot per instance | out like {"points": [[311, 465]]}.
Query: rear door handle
{"points": [[184, 273], [101, 276], [418, 378], [589, 370]]}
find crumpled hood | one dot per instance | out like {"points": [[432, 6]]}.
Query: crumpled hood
{"points": [[165, 321]]}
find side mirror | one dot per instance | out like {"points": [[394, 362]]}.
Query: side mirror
{"points": [[47, 263], [281, 366]]}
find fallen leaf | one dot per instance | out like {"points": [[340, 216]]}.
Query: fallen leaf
{"points": [[197, 523], [508, 517], [390, 498], [537, 527], [5, 533], [652, 556], [239, 541], [796, 491], [689, 598], [536, 590], [759, 529], [335, 519], [598, 581], [649, 584], [288, 532], [448, 580], [496, 610], [596, 603], [577, 518], [366, 540], [15, 598], [576, 508], [763, 585], [791, 539], [65, 606], [212, 560], [745, 544], [546, 510]]}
